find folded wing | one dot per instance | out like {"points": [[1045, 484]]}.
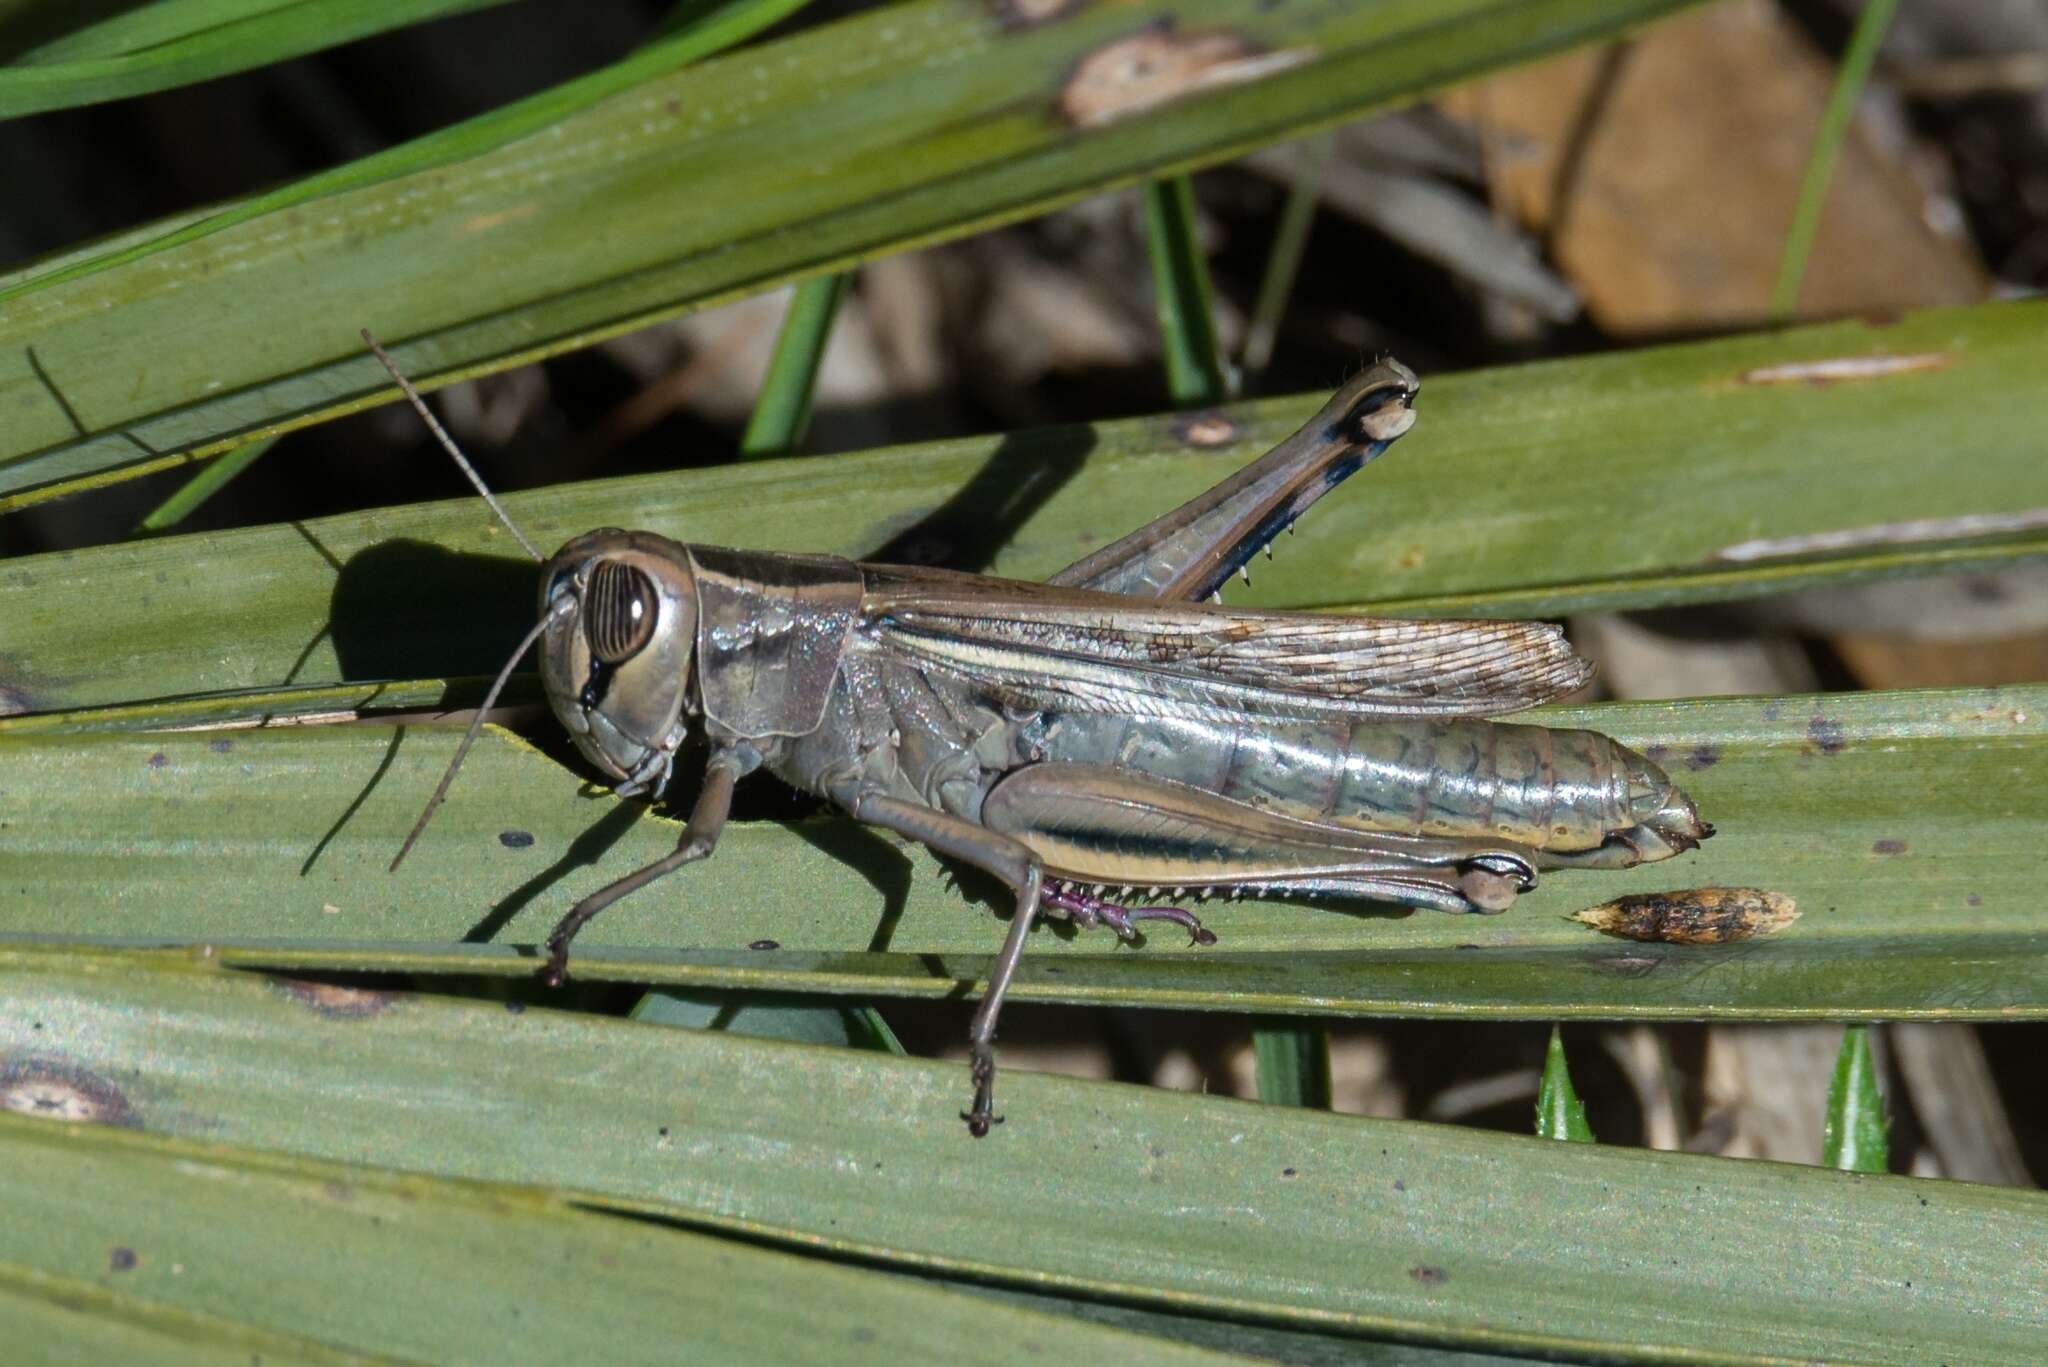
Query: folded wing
{"points": [[1049, 648]]}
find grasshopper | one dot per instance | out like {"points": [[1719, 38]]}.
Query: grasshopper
{"points": [[1105, 729]]}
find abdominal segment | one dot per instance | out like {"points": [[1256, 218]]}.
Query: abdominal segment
{"points": [[1556, 791]]}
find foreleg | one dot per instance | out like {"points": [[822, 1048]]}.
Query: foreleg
{"points": [[699, 839]]}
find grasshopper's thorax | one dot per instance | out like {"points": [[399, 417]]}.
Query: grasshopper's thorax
{"points": [[617, 653]]}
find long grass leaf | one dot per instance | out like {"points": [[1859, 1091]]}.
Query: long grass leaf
{"points": [[1683, 474], [1287, 1215], [247, 1252], [1904, 828], [641, 192], [65, 54], [715, 28]]}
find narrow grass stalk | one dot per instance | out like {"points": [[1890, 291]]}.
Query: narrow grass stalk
{"points": [[1283, 264], [1293, 1061], [1855, 1136], [783, 412], [128, 50], [1827, 145], [1180, 280], [1559, 1114], [211, 479], [1293, 1064]]}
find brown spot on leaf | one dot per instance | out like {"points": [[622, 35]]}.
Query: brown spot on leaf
{"points": [[1016, 15], [334, 1001], [765, 944], [1161, 64], [1841, 369], [1205, 429], [121, 1259], [1703, 757], [1428, 1275], [1693, 916], [51, 1090], [516, 840], [157, 760], [1656, 754], [1888, 847], [1828, 737]]}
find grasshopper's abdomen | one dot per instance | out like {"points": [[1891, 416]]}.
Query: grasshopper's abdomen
{"points": [[1556, 791]]}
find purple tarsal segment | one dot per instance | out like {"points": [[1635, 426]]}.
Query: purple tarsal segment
{"points": [[1089, 911]]}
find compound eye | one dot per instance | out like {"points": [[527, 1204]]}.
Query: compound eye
{"points": [[619, 609]]}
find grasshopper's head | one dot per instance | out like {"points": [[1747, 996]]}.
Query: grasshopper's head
{"points": [[620, 614]]}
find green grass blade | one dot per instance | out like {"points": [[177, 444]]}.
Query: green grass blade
{"points": [[1635, 480], [60, 1321], [211, 479], [783, 412], [1288, 1215], [1283, 263], [890, 129], [1905, 826], [1328, 1348], [57, 59], [1293, 1064], [715, 28], [1180, 289], [1864, 41], [224, 1235], [1558, 1112], [1855, 1134]]}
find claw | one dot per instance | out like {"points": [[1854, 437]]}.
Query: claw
{"points": [[982, 1115]]}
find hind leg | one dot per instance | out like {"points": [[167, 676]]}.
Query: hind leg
{"points": [[1007, 859]]}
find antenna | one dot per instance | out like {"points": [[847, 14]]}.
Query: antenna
{"points": [[476, 724], [448, 445]]}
